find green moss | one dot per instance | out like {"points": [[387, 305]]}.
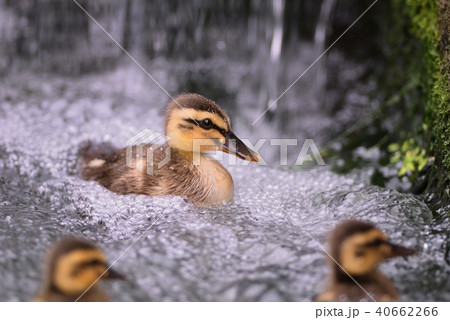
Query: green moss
{"points": [[430, 24]]}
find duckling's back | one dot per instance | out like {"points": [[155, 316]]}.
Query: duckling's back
{"points": [[93, 156], [108, 166]]}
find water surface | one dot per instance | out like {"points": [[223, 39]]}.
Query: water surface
{"points": [[249, 249]]}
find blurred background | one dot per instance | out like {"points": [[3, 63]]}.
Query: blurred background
{"points": [[242, 54]]}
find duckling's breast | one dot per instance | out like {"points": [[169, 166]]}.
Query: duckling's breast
{"points": [[219, 185], [373, 286], [206, 184]]}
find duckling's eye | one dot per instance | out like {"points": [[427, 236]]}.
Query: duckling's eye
{"points": [[375, 243], [93, 262], [83, 265], [360, 253], [206, 124]]}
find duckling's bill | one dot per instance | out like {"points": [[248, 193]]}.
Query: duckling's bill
{"points": [[113, 274], [233, 145], [400, 251]]}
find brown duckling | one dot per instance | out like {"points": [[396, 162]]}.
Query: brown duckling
{"points": [[74, 266], [358, 247], [189, 173]]}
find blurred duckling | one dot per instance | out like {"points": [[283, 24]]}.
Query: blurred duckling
{"points": [[74, 265], [189, 173], [358, 247]]}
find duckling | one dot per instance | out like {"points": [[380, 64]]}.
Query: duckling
{"points": [[189, 173], [74, 265], [358, 247]]}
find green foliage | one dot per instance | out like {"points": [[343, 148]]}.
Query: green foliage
{"points": [[413, 158]]}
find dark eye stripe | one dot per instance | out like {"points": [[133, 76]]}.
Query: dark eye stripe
{"points": [[213, 126], [375, 243], [359, 253], [83, 265]]}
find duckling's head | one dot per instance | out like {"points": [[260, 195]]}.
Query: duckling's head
{"points": [[74, 265], [359, 247], [195, 123]]}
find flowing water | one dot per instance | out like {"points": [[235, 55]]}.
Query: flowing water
{"points": [[263, 246], [247, 250]]}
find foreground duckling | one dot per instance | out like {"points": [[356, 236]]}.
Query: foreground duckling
{"points": [[189, 173], [358, 247], [74, 265]]}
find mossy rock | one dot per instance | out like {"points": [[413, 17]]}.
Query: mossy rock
{"points": [[430, 20]]}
